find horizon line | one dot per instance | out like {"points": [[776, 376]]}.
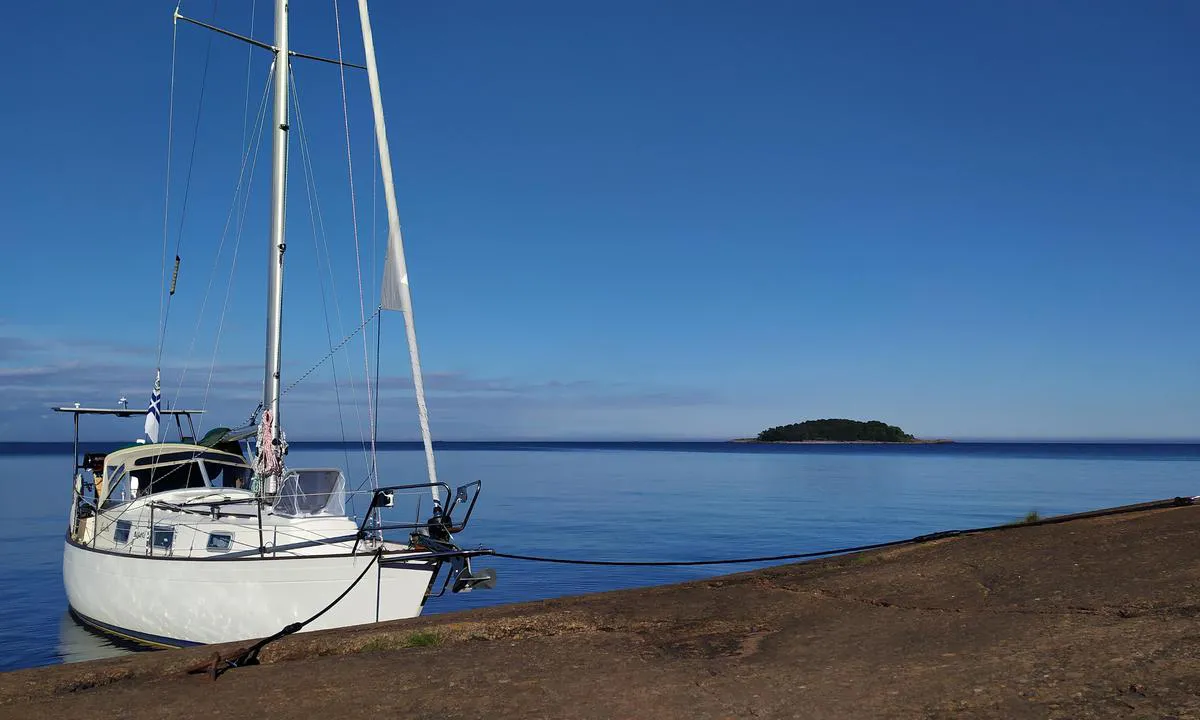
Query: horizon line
{"points": [[418, 441]]}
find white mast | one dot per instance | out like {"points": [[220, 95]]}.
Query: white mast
{"points": [[278, 243], [396, 295]]}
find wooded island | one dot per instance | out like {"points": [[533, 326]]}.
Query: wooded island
{"points": [[836, 430]]}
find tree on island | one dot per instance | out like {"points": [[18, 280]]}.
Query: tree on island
{"points": [[836, 430]]}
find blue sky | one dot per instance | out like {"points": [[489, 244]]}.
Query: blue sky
{"points": [[628, 219]]}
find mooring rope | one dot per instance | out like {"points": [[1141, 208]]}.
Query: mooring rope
{"points": [[249, 656], [928, 537], [683, 563]]}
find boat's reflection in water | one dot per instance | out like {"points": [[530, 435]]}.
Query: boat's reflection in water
{"points": [[78, 642]]}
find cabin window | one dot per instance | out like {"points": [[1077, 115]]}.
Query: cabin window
{"points": [[116, 486], [171, 477], [219, 542], [164, 537], [229, 476], [121, 533]]}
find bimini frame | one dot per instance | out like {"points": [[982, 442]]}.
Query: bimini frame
{"points": [[122, 412]]}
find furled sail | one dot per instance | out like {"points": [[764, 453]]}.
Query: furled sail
{"points": [[391, 296], [395, 293]]}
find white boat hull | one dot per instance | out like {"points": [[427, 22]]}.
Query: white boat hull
{"points": [[176, 602]]}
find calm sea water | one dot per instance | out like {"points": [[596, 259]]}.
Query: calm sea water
{"points": [[613, 501]]}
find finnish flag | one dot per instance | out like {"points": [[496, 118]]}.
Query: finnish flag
{"points": [[152, 413]]}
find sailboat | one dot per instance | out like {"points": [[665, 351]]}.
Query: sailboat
{"points": [[218, 539]]}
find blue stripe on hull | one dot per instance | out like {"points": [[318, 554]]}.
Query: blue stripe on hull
{"points": [[133, 635]]}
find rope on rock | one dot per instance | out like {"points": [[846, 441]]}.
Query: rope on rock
{"points": [[249, 656], [1157, 505]]}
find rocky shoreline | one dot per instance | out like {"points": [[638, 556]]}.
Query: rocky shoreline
{"points": [[1088, 618]]}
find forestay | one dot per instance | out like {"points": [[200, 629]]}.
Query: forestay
{"points": [[395, 292]]}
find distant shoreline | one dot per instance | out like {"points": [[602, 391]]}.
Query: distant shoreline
{"points": [[452, 443], [756, 441]]}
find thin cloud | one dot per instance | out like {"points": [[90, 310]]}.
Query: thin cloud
{"points": [[13, 348], [35, 375]]}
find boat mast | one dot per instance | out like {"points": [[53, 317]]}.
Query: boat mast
{"points": [[396, 294], [278, 243]]}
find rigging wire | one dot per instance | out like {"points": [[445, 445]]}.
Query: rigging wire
{"points": [[376, 289], [162, 290], [251, 145], [376, 286], [332, 352], [375, 427], [249, 56], [260, 125], [362, 311], [310, 191], [187, 185], [315, 204], [376, 280]]}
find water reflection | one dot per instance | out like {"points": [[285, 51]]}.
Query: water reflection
{"points": [[78, 642]]}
